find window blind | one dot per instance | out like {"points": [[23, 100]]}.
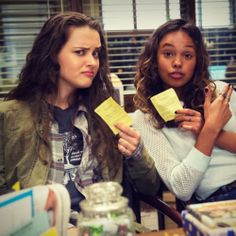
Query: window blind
{"points": [[127, 32], [220, 36], [20, 21]]}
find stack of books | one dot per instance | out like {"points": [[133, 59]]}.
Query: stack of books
{"points": [[213, 218]]}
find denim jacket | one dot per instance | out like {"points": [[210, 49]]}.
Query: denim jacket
{"points": [[22, 145]]}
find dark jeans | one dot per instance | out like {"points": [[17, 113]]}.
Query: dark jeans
{"points": [[227, 192], [231, 195]]}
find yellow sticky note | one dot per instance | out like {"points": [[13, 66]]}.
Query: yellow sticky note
{"points": [[16, 186], [111, 112], [50, 232], [166, 103]]}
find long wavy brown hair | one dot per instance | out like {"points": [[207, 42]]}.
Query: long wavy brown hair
{"points": [[40, 74], [148, 81]]}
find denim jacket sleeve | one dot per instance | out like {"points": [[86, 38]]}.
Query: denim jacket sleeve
{"points": [[143, 173], [19, 148], [3, 183]]}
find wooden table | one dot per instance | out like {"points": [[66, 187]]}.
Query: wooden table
{"points": [[168, 232]]}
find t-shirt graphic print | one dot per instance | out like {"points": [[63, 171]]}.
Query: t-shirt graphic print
{"points": [[73, 152]]}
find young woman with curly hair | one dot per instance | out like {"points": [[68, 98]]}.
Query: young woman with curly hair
{"points": [[195, 152], [49, 131]]}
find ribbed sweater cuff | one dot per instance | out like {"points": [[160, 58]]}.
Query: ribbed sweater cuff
{"points": [[197, 160]]}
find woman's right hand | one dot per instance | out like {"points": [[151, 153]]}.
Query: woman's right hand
{"points": [[217, 113]]}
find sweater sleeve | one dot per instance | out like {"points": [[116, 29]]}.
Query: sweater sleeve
{"points": [[181, 177]]}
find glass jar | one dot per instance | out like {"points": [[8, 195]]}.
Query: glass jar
{"points": [[105, 212]]}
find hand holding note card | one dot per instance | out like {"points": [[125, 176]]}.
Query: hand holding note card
{"points": [[112, 113], [166, 103]]}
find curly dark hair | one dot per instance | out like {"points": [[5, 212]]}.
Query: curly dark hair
{"points": [[40, 74], [148, 81]]}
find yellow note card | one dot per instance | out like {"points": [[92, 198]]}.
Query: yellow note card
{"points": [[50, 232], [166, 103], [16, 186], [111, 112]]}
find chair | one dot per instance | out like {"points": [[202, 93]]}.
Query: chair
{"points": [[162, 209], [156, 202]]}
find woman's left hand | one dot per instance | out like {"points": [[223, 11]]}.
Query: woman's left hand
{"points": [[129, 139], [190, 119]]}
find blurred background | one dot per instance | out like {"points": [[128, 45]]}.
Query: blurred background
{"points": [[127, 24]]}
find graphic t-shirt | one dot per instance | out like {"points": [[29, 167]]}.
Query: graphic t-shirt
{"points": [[73, 146]]}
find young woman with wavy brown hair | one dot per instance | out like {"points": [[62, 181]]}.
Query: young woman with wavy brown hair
{"points": [[49, 131], [195, 152]]}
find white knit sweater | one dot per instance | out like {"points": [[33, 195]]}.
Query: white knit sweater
{"points": [[182, 167]]}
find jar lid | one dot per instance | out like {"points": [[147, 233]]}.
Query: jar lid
{"points": [[102, 197]]}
